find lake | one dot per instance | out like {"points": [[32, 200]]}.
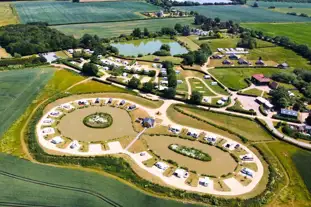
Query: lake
{"points": [[146, 46]]}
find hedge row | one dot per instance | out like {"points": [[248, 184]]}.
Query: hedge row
{"points": [[276, 116], [22, 61], [119, 167], [243, 111], [262, 110], [66, 62]]}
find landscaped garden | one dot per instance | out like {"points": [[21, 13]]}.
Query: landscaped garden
{"points": [[98, 120], [190, 152]]}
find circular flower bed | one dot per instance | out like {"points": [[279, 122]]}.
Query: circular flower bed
{"points": [[98, 120], [190, 152]]}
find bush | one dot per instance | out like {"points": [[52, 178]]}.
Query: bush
{"points": [[262, 110], [276, 116], [190, 152], [162, 53], [22, 61]]}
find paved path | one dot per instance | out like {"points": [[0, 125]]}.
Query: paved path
{"points": [[136, 138], [115, 148]]}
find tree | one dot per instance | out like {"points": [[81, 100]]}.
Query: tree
{"points": [[146, 32], [134, 83], [165, 47], [169, 93], [186, 30], [308, 119], [136, 32], [188, 59], [200, 57], [255, 4], [147, 87], [167, 64], [280, 97], [298, 105], [196, 97], [178, 27], [172, 80], [90, 69]]}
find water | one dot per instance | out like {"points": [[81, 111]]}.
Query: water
{"points": [[146, 46]]}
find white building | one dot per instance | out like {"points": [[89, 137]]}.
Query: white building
{"points": [[48, 130], [175, 129], [75, 145]]}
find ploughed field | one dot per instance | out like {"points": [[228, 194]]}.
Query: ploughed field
{"points": [[68, 12], [18, 88]]}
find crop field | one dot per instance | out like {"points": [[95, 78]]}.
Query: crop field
{"points": [[235, 77], [24, 181], [299, 33], [159, 145], [114, 29], [18, 88], [7, 14], [244, 14], [280, 4], [68, 12]]}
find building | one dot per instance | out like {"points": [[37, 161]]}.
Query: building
{"points": [[247, 172], [260, 79], [148, 122], [247, 157], [273, 85], [289, 113], [161, 165], [57, 140], [265, 102], [283, 65]]}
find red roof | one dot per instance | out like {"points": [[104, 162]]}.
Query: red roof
{"points": [[261, 78]]}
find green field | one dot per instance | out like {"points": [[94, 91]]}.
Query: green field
{"points": [[244, 13], [281, 4], [18, 88], [253, 91], [25, 181], [245, 127], [235, 77], [299, 33], [114, 29], [297, 166], [68, 12]]}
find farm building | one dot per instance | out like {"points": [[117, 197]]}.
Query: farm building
{"points": [[264, 101], [289, 113], [260, 79], [148, 122]]}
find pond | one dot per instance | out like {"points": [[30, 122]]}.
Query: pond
{"points": [[135, 47]]}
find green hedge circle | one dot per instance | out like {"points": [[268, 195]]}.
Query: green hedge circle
{"points": [[98, 120]]}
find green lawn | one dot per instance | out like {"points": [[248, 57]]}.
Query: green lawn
{"points": [[216, 88], [18, 88], [219, 43], [68, 12], [197, 85], [252, 91], [188, 43], [235, 77], [296, 10], [25, 181], [247, 128], [298, 32], [114, 29], [175, 60], [279, 55]]}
